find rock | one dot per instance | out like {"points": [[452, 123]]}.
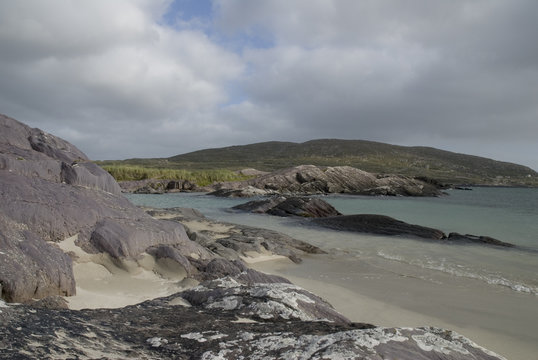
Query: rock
{"points": [[248, 191], [378, 224], [399, 185], [251, 172], [310, 179], [49, 191], [157, 186], [477, 239], [220, 268], [262, 301], [233, 241], [221, 328], [293, 206], [385, 225], [50, 302]]}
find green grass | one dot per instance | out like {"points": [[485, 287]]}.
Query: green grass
{"points": [[199, 177], [445, 166]]}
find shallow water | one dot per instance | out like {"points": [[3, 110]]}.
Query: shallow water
{"points": [[487, 293], [507, 214]]}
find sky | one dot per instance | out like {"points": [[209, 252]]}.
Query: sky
{"points": [[156, 78]]}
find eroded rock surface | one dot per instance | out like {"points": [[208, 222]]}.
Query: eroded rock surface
{"points": [[378, 224], [157, 186], [292, 206], [310, 179], [49, 191], [385, 225], [232, 241], [260, 322]]}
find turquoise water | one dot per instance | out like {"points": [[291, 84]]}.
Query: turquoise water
{"points": [[507, 214]]}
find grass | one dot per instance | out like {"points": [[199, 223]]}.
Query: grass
{"points": [[199, 177], [447, 167]]}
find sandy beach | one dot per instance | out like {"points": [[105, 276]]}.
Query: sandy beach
{"points": [[365, 294], [362, 291]]}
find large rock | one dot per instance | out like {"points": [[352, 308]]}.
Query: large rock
{"points": [[385, 225], [480, 239], [310, 179], [233, 241], [239, 322], [293, 206], [157, 186], [378, 224], [49, 191], [262, 301]]}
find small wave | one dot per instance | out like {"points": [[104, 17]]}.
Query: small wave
{"points": [[462, 271]]}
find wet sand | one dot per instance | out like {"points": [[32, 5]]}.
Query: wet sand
{"points": [[504, 322]]}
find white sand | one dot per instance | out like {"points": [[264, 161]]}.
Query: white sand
{"points": [[104, 282]]}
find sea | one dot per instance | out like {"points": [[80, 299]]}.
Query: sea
{"points": [[488, 293], [506, 214]]}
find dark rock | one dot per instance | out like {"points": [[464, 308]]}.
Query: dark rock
{"points": [[157, 186], [260, 206], [293, 206], [50, 302], [266, 327], [247, 191], [477, 239], [378, 224]]}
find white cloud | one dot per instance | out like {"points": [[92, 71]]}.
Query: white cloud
{"points": [[84, 68]]}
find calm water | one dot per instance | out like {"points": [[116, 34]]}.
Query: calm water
{"points": [[488, 294], [506, 214]]}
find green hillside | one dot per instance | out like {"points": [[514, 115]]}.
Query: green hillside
{"points": [[367, 155]]}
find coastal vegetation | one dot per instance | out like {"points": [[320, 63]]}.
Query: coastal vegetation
{"points": [[445, 166], [198, 177]]}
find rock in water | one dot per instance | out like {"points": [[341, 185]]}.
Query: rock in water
{"points": [[293, 206], [378, 224], [49, 191], [477, 239]]}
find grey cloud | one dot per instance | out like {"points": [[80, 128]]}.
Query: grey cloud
{"points": [[108, 76]]}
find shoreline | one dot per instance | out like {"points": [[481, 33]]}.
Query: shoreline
{"points": [[363, 292], [374, 300]]}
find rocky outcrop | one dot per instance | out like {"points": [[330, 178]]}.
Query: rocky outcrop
{"points": [[310, 179], [49, 191], [233, 241], [247, 191], [293, 206], [262, 301], [378, 224], [226, 320], [157, 186], [467, 238], [385, 225]]}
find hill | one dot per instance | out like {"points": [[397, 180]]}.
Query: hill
{"points": [[370, 156]]}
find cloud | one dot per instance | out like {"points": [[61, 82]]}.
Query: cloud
{"points": [[149, 78], [86, 69], [460, 72]]}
